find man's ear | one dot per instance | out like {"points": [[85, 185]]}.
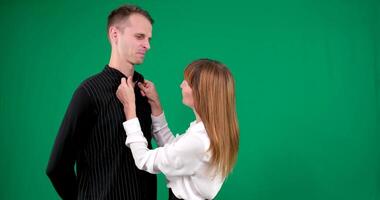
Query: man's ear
{"points": [[113, 33]]}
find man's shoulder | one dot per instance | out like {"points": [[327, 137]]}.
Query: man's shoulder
{"points": [[90, 84], [92, 81]]}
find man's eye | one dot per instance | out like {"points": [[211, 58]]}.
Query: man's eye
{"points": [[139, 37]]}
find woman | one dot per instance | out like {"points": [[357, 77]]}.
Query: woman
{"points": [[196, 162]]}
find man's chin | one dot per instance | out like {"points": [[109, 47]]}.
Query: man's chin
{"points": [[139, 61]]}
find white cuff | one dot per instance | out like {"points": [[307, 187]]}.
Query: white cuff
{"points": [[158, 122], [133, 130], [135, 138], [132, 126]]}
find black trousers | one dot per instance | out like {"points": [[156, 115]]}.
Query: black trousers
{"points": [[172, 196]]}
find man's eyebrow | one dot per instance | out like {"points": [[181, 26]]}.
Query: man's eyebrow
{"points": [[142, 34]]}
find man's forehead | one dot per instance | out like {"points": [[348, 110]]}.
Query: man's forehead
{"points": [[141, 25], [139, 31], [137, 19]]}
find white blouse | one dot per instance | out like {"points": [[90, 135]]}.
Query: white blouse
{"points": [[183, 159]]}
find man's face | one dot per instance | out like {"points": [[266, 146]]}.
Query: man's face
{"points": [[133, 39]]}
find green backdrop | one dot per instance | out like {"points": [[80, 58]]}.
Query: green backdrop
{"points": [[307, 79]]}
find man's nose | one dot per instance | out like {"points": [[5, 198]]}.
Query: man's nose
{"points": [[147, 45]]}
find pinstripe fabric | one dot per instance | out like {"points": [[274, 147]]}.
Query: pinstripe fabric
{"points": [[94, 138]]}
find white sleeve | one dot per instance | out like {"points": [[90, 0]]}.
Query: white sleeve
{"points": [[180, 158], [161, 131]]}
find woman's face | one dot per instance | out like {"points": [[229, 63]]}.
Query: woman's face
{"points": [[187, 94]]}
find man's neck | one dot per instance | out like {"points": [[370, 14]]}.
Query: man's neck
{"points": [[126, 68]]}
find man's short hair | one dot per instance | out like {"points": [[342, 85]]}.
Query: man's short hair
{"points": [[123, 12]]}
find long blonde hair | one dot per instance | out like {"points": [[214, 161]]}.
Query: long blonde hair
{"points": [[214, 100]]}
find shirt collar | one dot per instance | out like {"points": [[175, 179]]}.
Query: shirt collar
{"points": [[197, 126], [114, 73]]}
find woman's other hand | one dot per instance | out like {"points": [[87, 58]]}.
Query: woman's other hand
{"points": [[149, 90]]}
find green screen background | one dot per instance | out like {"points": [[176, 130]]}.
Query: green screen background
{"points": [[307, 82]]}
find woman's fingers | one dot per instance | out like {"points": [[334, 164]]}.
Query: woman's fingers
{"points": [[125, 88], [123, 81]]}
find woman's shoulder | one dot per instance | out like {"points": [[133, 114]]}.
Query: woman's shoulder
{"points": [[197, 137]]}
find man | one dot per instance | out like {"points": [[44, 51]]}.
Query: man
{"points": [[91, 136]]}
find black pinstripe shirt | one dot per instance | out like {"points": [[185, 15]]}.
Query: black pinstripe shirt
{"points": [[92, 138]]}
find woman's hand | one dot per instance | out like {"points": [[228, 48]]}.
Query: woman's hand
{"points": [[149, 90], [126, 94]]}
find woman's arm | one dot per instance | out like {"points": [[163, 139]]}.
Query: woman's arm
{"points": [[179, 158], [176, 158], [161, 131]]}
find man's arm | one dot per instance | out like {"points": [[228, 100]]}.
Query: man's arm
{"points": [[70, 138]]}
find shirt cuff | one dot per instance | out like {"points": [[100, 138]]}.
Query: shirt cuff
{"points": [[133, 130], [158, 122], [132, 126]]}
